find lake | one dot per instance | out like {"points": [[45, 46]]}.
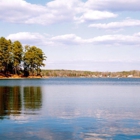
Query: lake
{"points": [[70, 109]]}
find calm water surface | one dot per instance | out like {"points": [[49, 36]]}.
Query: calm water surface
{"points": [[70, 109]]}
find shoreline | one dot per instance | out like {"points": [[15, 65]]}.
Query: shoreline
{"points": [[45, 74], [30, 78]]}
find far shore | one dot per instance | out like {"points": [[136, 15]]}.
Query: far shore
{"points": [[45, 74]]}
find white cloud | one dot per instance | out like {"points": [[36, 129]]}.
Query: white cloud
{"points": [[117, 25], [76, 10], [114, 5], [91, 15], [137, 34], [99, 40], [28, 38], [116, 40], [72, 39], [20, 11], [68, 39], [25, 36], [74, 5]]}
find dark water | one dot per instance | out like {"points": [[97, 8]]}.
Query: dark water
{"points": [[70, 109]]}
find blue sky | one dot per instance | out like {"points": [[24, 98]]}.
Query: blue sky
{"points": [[95, 35]]}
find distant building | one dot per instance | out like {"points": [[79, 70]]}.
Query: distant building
{"points": [[130, 76]]}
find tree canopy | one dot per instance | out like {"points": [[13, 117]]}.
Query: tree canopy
{"points": [[16, 59]]}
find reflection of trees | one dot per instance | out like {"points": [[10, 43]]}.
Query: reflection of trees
{"points": [[32, 98], [10, 100]]}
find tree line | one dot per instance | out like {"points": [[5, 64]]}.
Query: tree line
{"points": [[96, 74], [19, 60]]}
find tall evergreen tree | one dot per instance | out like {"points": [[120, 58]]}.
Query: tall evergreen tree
{"points": [[17, 53], [12, 56], [5, 54], [33, 59]]}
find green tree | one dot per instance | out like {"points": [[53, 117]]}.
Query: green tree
{"points": [[5, 54], [33, 59], [12, 56], [17, 53]]}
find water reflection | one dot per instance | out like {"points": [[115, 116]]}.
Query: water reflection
{"points": [[70, 112], [14, 100], [32, 98], [10, 101]]}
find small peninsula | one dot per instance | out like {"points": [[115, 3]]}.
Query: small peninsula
{"points": [[17, 61]]}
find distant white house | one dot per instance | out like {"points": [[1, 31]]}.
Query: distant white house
{"points": [[130, 76]]}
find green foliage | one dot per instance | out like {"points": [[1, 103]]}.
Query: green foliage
{"points": [[13, 57], [73, 73], [5, 54], [33, 59], [17, 53]]}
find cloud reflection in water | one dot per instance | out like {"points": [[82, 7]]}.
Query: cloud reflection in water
{"points": [[70, 112]]}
